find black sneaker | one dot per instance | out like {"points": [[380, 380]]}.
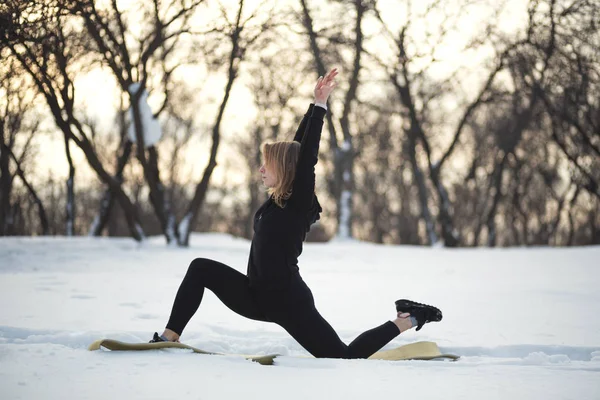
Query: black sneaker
{"points": [[424, 313], [156, 338]]}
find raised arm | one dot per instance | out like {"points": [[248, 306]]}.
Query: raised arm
{"points": [[302, 127], [309, 135]]}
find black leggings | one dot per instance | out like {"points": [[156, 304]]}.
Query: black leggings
{"points": [[293, 309]]}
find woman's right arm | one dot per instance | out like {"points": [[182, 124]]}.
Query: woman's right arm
{"points": [[303, 188], [310, 132], [302, 127]]}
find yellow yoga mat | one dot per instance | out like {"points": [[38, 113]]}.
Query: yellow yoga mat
{"points": [[413, 351]]}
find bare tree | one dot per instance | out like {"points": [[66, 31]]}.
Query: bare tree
{"points": [[164, 27], [137, 62], [16, 121], [507, 156], [571, 91], [534, 65], [416, 95], [37, 36]]}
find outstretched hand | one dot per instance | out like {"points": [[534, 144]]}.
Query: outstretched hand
{"points": [[325, 86]]}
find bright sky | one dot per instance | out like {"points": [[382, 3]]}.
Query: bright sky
{"points": [[98, 92]]}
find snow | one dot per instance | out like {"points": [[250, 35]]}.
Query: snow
{"points": [[184, 225], [150, 125], [94, 225], [524, 320], [346, 145], [344, 225]]}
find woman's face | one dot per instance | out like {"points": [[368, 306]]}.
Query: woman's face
{"points": [[269, 178]]}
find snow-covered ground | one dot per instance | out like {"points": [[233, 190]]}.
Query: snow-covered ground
{"points": [[526, 322]]}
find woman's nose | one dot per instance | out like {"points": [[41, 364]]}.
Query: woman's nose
{"points": [[262, 169]]}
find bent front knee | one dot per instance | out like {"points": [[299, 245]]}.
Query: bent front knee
{"points": [[198, 262], [198, 265]]}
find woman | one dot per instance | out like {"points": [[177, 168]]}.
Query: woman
{"points": [[273, 290]]}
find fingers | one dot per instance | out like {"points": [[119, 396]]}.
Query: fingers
{"points": [[319, 82], [329, 80], [331, 74], [323, 80], [326, 84], [403, 315]]}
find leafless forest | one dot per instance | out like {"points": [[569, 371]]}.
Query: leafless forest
{"points": [[456, 122]]}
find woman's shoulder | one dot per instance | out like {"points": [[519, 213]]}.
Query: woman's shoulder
{"points": [[312, 212]]}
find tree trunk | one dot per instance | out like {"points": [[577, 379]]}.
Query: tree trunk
{"points": [[572, 203], [45, 227], [59, 95], [6, 181], [595, 226], [158, 199], [70, 206], [422, 190], [108, 199], [497, 184]]}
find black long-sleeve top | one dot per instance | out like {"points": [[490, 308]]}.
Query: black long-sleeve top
{"points": [[280, 231]]}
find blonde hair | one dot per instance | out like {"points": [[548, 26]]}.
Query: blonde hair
{"points": [[282, 158]]}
